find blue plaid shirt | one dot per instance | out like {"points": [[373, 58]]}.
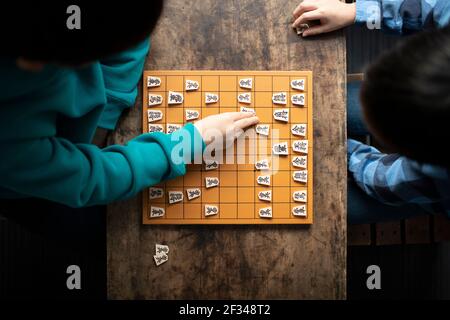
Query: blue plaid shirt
{"points": [[391, 178], [394, 179], [403, 16]]}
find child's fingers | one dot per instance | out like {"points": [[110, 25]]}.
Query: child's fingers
{"points": [[303, 7], [246, 122], [307, 16], [315, 30], [235, 116]]}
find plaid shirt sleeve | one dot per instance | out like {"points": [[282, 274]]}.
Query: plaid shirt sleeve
{"points": [[403, 16], [397, 180]]}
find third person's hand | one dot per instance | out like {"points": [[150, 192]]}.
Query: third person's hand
{"points": [[332, 14]]}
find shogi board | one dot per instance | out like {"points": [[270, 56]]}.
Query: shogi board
{"points": [[237, 193]]}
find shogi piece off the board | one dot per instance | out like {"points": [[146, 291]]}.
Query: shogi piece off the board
{"points": [[273, 183]]}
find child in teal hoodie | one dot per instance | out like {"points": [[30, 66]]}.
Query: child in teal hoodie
{"points": [[57, 87]]}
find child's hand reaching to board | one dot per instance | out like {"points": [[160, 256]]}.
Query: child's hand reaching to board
{"points": [[228, 125], [332, 14]]}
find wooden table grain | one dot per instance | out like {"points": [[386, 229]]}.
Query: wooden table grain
{"points": [[241, 262]]}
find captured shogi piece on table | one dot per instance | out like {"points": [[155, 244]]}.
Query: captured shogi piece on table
{"points": [[270, 177]]}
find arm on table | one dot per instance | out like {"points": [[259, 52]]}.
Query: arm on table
{"points": [[394, 16], [82, 174]]}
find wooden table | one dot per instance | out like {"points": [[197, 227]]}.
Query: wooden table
{"points": [[241, 262]]}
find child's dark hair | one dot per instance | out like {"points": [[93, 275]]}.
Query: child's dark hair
{"points": [[38, 31], [406, 97]]}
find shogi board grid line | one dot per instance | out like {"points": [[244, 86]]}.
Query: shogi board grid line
{"points": [[192, 212]]}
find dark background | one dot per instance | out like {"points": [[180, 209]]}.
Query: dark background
{"points": [[40, 239]]}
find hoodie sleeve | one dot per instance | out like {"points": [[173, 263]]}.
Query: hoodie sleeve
{"points": [[82, 174], [121, 74]]}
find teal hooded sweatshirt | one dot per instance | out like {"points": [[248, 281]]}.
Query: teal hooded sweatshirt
{"points": [[47, 122]]}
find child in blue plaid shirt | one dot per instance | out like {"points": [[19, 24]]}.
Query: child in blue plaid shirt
{"points": [[405, 103]]}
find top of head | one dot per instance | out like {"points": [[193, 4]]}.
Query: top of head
{"points": [[406, 97], [60, 32]]}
